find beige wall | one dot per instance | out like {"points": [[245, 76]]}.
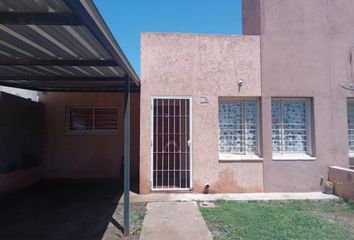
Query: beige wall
{"points": [[201, 65], [80, 156]]}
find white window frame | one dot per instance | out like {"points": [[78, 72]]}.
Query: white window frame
{"points": [[246, 155], [308, 155], [350, 153], [93, 131]]}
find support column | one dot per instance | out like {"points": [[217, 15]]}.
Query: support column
{"points": [[126, 153]]}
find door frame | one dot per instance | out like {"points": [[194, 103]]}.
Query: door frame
{"points": [[190, 146]]}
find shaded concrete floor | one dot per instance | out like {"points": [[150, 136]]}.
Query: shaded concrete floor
{"points": [[64, 211], [174, 221], [177, 197]]}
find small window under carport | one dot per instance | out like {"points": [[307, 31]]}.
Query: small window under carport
{"points": [[65, 46]]}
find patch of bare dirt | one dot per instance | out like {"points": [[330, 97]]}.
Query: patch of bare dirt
{"points": [[114, 229], [345, 218]]}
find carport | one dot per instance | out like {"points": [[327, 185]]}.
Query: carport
{"points": [[65, 46]]}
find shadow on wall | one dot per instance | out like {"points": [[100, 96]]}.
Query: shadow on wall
{"points": [[62, 211]]}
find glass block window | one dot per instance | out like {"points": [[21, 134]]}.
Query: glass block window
{"points": [[92, 119], [351, 125], [238, 126], [291, 126]]}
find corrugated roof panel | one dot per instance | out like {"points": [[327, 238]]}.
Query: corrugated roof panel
{"points": [[95, 71], [13, 71], [52, 42], [19, 44], [38, 40], [15, 51], [68, 71], [79, 40], [33, 6], [15, 39], [91, 41]]}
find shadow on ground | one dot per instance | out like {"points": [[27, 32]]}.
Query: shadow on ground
{"points": [[62, 211]]}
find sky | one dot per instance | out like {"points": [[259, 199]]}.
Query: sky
{"points": [[128, 18]]}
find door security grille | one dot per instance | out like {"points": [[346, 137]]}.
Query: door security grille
{"points": [[171, 158]]}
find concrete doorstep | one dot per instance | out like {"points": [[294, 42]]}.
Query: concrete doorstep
{"points": [[174, 221]]}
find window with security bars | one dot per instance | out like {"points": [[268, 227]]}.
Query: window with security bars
{"points": [[238, 126], [92, 119], [351, 126], [291, 133]]}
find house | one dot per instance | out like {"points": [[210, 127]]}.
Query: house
{"points": [[269, 111]]}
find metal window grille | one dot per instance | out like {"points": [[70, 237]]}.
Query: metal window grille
{"points": [[171, 163], [238, 126], [291, 126], [92, 119]]}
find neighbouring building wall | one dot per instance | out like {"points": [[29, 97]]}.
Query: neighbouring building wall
{"points": [[21, 142], [201, 66], [87, 155], [305, 52]]}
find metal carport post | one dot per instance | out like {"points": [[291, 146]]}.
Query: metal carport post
{"points": [[126, 153]]}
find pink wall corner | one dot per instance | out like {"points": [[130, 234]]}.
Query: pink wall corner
{"points": [[17, 180]]}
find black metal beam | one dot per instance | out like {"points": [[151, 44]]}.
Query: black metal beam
{"points": [[64, 78], [80, 11], [46, 62], [47, 18], [126, 153], [67, 89]]}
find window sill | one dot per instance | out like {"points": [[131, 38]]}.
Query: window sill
{"points": [[239, 158], [293, 158]]}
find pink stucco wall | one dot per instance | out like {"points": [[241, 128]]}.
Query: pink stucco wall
{"points": [[87, 156], [197, 66], [304, 53]]}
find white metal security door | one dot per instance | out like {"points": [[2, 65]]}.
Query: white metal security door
{"points": [[171, 143]]}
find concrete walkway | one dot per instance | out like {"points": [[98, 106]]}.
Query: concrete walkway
{"points": [[187, 197], [174, 221]]}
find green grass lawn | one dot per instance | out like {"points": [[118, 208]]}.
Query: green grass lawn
{"points": [[280, 220]]}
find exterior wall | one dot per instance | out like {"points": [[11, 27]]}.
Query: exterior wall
{"points": [[21, 142], [200, 65], [21, 131], [251, 17], [90, 155], [304, 53], [343, 180]]}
